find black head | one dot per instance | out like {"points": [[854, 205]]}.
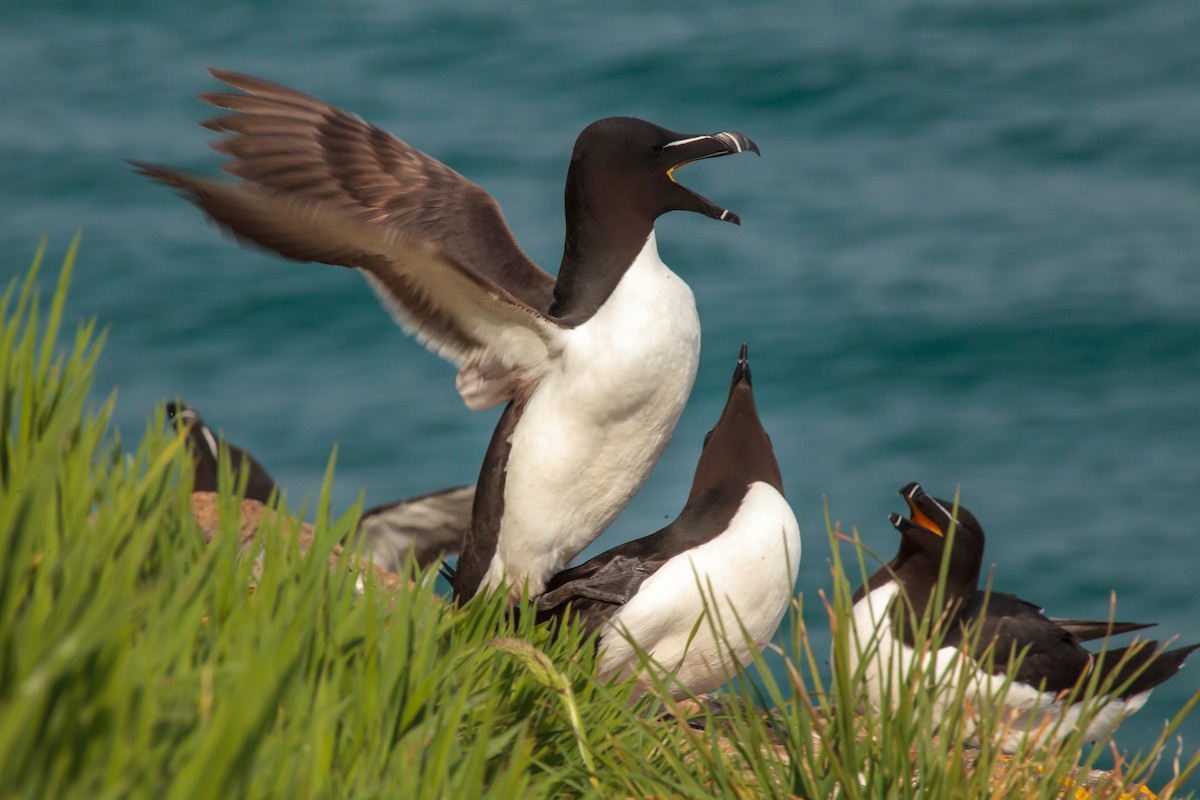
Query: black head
{"points": [[205, 451], [924, 538], [621, 179], [182, 414], [203, 442], [623, 165], [737, 451]]}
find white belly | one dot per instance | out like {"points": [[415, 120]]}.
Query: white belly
{"points": [[751, 569], [1016, 711], [597, 422]]}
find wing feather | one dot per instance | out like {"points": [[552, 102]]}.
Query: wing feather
{"points": [[321, 184], [498, 341], [289, 141]]}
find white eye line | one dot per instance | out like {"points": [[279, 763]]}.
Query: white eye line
{"points": [[208, 437], [943, 508], [685, 141]]}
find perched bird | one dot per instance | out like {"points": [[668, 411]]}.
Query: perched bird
{"points": [[734, 549], [431, 525], [203, 445], [595, 365], [1038, 702]]}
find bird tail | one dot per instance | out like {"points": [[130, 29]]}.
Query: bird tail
{"points": [[1143, 660], [1086, 630]]}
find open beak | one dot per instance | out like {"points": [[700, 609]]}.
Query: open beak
{"points": [[924, 512], [687, 149]]}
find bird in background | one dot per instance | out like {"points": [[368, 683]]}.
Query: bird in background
{"points": [[426, 528], [1038, 702], [205, 448]]}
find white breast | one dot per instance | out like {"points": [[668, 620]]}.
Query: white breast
{"points": [[746, 575], [597, 422], [1022, 708]]}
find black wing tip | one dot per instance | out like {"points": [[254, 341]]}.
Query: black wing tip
{"points": [[1155, 667], [1183, 652]]}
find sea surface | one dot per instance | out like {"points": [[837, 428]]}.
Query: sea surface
{"points": [[969, 257]]}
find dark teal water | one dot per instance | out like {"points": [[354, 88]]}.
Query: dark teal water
{"points": [[970, 253]]}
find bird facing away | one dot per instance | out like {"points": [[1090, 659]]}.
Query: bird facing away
{"points": [[1037, 704], [205, 450], [733, 550], [594, 365]]}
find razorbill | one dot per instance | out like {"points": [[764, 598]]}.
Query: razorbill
{"points": [[1039, 702], [734, 548], [595, 366], [430, 526], [205, 451]]}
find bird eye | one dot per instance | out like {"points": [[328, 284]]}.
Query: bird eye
{"points": [[658, 149]]}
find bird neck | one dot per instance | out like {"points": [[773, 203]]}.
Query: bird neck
{"points": [[601, 244]]}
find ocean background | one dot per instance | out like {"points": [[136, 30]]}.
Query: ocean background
{"points": [[970, 253]]}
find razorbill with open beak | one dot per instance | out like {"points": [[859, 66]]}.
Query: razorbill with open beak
{"points": [[595, 365], [1039, 702], [735, 549]]}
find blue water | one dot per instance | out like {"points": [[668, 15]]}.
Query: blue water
{"points": [[970, 253]]}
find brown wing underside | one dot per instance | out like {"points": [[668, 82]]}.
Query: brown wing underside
{"points": [[498, 342], [289, 142], [319, 184]]}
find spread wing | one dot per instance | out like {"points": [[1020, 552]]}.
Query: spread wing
{"points": [[432, 526], [320, 184]]}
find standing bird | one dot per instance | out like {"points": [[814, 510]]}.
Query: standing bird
{"points": [[203, 445], [734, 551], [1038, 699], [595, 365]]}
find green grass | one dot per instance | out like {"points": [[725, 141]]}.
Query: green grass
{"points": [[137, 660]]}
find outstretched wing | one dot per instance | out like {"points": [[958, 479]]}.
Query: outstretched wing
{"points": [[431, 526], [319, 184]]}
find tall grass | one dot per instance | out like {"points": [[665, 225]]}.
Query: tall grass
{"points": [[137, 660]]}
